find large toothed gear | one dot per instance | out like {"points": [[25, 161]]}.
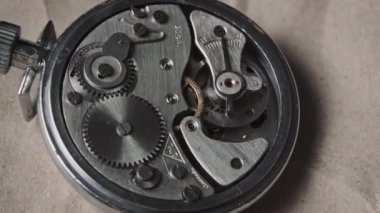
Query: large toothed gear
{"points": [[84, 57], [124, 131]]}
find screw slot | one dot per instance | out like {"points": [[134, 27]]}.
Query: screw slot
{"points": [[160, 17], [191, 193], [220, 31], [145, 173], [75, 98], [140, 30], [139, 12], [171, 98], [105, 71], [191, 126], [166, 64], [124, 129], [178, 171], [236, 163]]}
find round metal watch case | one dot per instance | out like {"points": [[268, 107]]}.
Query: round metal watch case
{"points": [[175, 175]]}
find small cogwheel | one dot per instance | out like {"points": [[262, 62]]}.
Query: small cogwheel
{"points": [[198, 95], [95, 85]]}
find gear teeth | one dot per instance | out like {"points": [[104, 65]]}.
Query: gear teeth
{"points": [[199, 110], [77, 71], [124, 165]]}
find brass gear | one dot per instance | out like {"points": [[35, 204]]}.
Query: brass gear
{"points": [[198, 93]]}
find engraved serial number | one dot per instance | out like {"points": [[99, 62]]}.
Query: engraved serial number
{"points": [[178, 35]]}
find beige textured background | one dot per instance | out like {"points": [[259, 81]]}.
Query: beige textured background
{"points": [[333, 46]]}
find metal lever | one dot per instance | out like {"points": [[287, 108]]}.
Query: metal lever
{"points": [[28, 106], [225, 162]]}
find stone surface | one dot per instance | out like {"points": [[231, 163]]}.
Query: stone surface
{"points": [[332, 45]]}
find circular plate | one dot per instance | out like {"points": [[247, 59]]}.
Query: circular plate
{"points": [[238, 197]]}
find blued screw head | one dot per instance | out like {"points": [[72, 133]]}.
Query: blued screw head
{"points": [[160, 16], [74, 98], [144, 173], [140, 30], [178, 171], [105, 71], [191, 193]]}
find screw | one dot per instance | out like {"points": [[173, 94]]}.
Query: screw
{"points": [[191, 126], [171, 98], [105, 71], [236, 163], [166, 64], [160, 16], [147, 177], [145, 173], [140, 30], [75, 98], [139, 12], [124, 129], [220, 31], [191, 193], [178, 171]]}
